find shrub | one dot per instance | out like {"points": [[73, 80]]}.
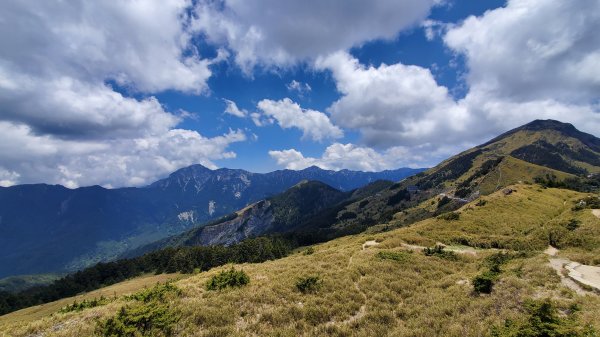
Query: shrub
{"points": [[347, 216], [481, 202], [573, 224], [148, 319], [542, 319], [85, 304], [157, 293], [228, 279], [484, 283], [439, 251], [450, 216], [309, 251], [309, 284], [395, 256]]}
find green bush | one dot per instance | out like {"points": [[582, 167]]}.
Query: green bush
{"points": [[484, 283], [309, 284], [149, 315], [147, 319], [85, 304], [543, 319], [450, 216], [439, 251], [228, 279], [309, 251], [157, 293]]}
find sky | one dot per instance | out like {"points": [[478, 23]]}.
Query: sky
{"points": [[122, 93]]}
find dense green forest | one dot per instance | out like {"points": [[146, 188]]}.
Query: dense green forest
{"points": [[168, 260]]}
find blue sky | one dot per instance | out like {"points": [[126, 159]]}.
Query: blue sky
{"points": [[123, 93]]}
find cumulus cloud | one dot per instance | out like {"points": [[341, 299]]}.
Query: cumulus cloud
{"points": [[533, 50], [30, 157], [63, 122], [288, 114], [392, 104], [519, 69], [354, 157], [292, 31], [232, 109]]}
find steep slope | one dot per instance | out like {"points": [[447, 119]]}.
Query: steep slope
{"points": [[385, 284], [539, 150], [85, 225], [306, 212]]}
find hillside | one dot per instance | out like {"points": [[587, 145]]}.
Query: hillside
{"points": [[305, 213], [385, 284], [101, 224], [543, 149]]}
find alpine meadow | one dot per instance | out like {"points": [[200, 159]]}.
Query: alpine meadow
{"points": [[300, 168]]}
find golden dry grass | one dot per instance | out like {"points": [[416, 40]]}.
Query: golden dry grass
{"points": [[363, 295]]}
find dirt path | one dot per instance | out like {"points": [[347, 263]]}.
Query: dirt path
{"points": [[363, 308], [583, 274], [596, 212]]}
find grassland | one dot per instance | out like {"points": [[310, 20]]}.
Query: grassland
{"points": [[383, 289]]}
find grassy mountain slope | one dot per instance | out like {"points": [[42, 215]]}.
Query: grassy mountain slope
{"points": [[542, 148], [381, 284]]}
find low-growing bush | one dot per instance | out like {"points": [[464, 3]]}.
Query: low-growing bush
{"points": [[147, 319], [450, 216], [543, 319], [309, 251], [395, 256], [157, 293], [228, 279], [309, 284], [85, 304], [484, 283], [440, 251], [481, 202]]}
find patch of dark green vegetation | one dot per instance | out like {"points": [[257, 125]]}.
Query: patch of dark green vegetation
{"points": [[85, 304], [363, 203], [449, 216], [402, 195], [347, 216], [309, 251], [169, 260], [589, 202], [149, 315], [465, 189], [453, 170], [484, 282], [441, 252], [586, 184], [542, 319], [402, 256], [309, 284], [231, 278], [545, 154]]}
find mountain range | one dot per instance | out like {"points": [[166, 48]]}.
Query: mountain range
{"points": [[51, 228], [491, 241]]}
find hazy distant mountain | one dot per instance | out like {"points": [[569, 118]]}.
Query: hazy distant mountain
{"points": [[48, 228]]}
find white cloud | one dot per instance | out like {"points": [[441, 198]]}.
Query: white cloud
{"points": [[144, 45], [392, 104], [29, 157], [281, 33], [299, 87], [62, 121], [533, 50], [288, 114], [232, 109], [339, 156]]}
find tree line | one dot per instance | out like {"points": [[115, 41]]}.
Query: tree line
{"points": [[168, 260]]}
